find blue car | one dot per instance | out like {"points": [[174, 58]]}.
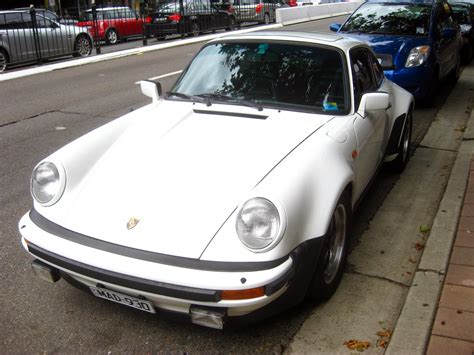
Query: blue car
{"points": [[417, 42]]}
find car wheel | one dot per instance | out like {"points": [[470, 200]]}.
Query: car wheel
{"points": [[231, 25], [111, 37], [195, 29], [456, 72], [3, 60], [82, 46], [399, 163], [266, 19], [333, 254]]}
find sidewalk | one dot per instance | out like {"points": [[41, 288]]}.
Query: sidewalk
{"points": [[453, 328]]}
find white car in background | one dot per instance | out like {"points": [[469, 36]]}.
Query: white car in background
{"points": [[230, 198]]}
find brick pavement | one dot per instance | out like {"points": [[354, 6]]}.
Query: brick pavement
{"points": [[453, 328]]}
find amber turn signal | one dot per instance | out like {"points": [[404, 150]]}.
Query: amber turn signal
{"points": [[243, 294]]}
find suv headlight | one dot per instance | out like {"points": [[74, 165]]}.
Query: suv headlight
{"points": [[47, 183], [417, 56], [259, 224]]}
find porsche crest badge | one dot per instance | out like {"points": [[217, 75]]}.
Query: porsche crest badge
{"points": [[132, 222]]}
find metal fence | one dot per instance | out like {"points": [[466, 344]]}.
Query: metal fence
{"points": [[36, 35]]}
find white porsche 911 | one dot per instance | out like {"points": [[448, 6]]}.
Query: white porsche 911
{"points": [[229, 198]]}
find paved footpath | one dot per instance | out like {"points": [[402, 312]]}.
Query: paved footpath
{"points": [[453, 328]]}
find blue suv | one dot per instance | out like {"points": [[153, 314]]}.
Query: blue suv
{"points": [[417, 42]]}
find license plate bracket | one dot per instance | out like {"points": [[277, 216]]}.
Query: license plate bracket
{"points": [[126, 300]]}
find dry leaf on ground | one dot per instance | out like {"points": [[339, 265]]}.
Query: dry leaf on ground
{"points": [[358, 345]]}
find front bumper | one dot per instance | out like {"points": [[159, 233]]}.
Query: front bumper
{"points": [[416, 80], [170, 287]]}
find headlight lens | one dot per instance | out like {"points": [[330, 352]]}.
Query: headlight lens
{"points": [[417, 56], [258, 223], [46, 184]]}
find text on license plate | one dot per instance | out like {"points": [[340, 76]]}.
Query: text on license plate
{"points": [[129, 301]]}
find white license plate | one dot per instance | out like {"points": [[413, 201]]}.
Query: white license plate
{"points": [[129, 301]]}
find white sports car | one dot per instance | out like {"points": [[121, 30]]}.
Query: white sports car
{"points": [[229, 198]]}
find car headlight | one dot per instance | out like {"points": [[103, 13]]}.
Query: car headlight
{"points": [[417, 56], [47, 183], [258, 223]]}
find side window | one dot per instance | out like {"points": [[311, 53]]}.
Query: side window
{"points": [[377, 69], [361, 67]]}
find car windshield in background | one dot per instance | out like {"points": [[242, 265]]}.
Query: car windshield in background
{"points": [[460, 13], [307, 78], [168, 6], [386, 18]]}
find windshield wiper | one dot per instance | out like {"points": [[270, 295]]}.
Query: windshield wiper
{"points": [[217, 96], [194, 98]]}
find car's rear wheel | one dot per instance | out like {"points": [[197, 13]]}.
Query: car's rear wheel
{"points": [[4, 60], [266, 19], [333, 255], [231, 24], [111, 36], [82, 46], [400, 162], [195, 29]]}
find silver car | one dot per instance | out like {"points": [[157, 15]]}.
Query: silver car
{"points": [[23, 40]]}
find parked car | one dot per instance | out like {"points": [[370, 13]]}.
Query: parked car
{"points": [[231, 197], [464, 16], [50, 15], [263, 11], [418, 43], [22, 41], [189, 17], [113, 23]]}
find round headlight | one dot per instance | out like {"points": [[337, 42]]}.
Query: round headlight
{"points": [[46, 185], [258, 223]]}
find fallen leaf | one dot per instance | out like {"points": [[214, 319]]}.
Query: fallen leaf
{"points": [[384, 337], [384, 333], [358, 345], [413, 261], [424, 228], [419, 246]]}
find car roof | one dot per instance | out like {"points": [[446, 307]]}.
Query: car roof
{"points": [[334, 40], [110, 8], [408, 2]]}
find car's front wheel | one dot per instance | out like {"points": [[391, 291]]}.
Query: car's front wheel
{"points": [[82, 46], [111, 37], [403, 152], [3, 60], [333, 255]]}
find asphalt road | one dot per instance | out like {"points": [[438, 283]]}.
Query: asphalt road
{"points": [[42, 113]]}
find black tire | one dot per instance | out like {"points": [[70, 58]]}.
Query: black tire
{"points": [[266, 19], [195, 29], [466, 54], [4, 60], [331, 263], [456, 72], [111, 36], [403, 155], [82, 46], [232, 23]]}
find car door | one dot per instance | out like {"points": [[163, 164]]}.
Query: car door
{"points": [[446, 47], [370, 128], [18, 34]]}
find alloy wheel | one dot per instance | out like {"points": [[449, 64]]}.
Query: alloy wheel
{"points": [[336, 242]]}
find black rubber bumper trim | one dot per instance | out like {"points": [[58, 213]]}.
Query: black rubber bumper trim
{"points": [[171, 260], [159, 288]]}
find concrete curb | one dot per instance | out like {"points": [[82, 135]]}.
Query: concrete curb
{"points": [[125, 53], [413, 329]]}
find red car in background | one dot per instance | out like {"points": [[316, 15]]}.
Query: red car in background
{"points": [[113, 23]]}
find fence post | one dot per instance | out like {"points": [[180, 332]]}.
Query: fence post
{"points": [[36, 35], [144, 28], [96, 24]]}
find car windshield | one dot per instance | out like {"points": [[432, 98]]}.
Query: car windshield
{"points": [[298, 77], [171, 7], [88, 16], [386, 18]]}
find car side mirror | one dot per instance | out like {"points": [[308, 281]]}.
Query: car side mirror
{"points": [[334, 27], [373, 101], [151, 89], [448, 33]]}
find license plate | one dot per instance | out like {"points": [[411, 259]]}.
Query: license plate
{"points": [[129, 301]]}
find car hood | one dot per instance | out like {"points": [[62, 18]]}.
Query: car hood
{"points": [[397, 46], [181, 172]]}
